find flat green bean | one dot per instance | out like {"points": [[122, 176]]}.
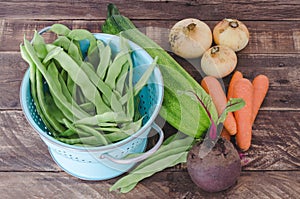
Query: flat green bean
{"points": [[130, 94], [105, 59], [120, 82], [107, 124], [116, 136], [70, 47], [98, 137], [74, 52], [60, 29], [104, 88], [79, 96], [58, 115], [88, 107], [79, 88], [82, 80], [52, 53], [132, 127], [61, 95], [115, 69], [75, 130], [32, 78], [53, 83], [128, 188], [159, 165], [72, 88], [141, 82], [64, 75], [91, 141], [103, 118], [175, 147], [65, 90], [45, 108], [93, 58], [81, 34], [107, 129], [39, 45], [137, 114], [67, 133]]}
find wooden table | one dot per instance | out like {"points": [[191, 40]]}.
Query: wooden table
{"points": [[273, 161]]}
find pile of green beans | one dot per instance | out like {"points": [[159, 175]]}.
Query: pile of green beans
{"points": [[84, 99]]}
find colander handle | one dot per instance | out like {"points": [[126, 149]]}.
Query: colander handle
{"points": [[144, 155]]}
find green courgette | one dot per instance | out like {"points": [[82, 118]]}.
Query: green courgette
{"points": [[179, 110]]}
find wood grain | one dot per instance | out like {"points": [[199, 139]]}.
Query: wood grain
{"points": [[155, 10], [275, 144], [161, 185], [271, 166], [21, 149], [265, 36]]}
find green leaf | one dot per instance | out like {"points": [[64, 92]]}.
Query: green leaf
{"points": [[233, 104]]}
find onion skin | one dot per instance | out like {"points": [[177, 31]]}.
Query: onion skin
{"points": [[232, 33], [190, 38], [219, 61]]}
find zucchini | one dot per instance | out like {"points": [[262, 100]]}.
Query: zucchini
{"points": [[179, 110]]}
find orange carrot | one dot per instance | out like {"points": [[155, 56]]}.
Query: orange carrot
{"points": [[225, 134], [243, 88], [213, 87], [260, 86], [236, 76]]}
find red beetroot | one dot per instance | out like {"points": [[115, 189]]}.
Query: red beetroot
{"points": [[218, 170]]}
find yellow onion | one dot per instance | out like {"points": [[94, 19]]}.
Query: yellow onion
{"points": [[218, 61], [232, 33], [190, 38]]}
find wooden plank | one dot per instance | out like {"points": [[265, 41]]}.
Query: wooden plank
{"points": [[21, 149], [282, 70], [275, 144], [280, 37], [162, 185], [275, 139], [12, 72], [208, 10]]}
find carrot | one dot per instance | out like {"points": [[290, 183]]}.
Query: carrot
{"points": [[260, 85], [213, 87], [225, 134], [243, 88], [236, 76]]}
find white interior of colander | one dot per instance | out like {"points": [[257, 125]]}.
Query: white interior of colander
{"points": [[151, 95]]}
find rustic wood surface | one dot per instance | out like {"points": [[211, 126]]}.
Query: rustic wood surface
{"points": [[271, 166]]}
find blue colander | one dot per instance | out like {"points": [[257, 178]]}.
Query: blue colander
{"points": [[105, 162]]}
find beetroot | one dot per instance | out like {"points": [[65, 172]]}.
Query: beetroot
{"points": [[218, 170]]}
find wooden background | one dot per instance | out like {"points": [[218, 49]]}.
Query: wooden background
{"points": [[272, 165]]}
